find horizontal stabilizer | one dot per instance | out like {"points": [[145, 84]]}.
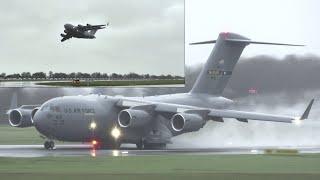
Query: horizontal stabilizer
{"points": [[204, 42], [257, 42], [245, 41]]}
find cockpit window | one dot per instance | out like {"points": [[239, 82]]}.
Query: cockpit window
{"points": [[44, 108], [55, 108]]}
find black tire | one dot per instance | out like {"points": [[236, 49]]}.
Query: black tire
{"points": [[52, 145], [47, 145], [140, 146]]}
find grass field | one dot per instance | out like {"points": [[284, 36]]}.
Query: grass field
{"points": [[114, 83], [235, 167], [225, 167], [10, 135]]}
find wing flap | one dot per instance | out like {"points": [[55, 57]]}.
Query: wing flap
{"points": [[245, 116]]}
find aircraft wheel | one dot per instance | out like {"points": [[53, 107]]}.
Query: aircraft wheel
{"points": [[49, 145], [52, 145], [140, 145]]}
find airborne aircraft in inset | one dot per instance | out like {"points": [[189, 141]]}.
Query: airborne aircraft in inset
{"points": [[80, 31], [149, 122]]}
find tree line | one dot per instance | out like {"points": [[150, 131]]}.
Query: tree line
{"points": [[80, 75]]}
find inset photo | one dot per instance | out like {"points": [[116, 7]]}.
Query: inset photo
{"points": [[101, 43]]}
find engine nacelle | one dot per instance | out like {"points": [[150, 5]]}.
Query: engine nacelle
{"points": [[133, 118], [183, 122], [33, 112], [20, 118]]}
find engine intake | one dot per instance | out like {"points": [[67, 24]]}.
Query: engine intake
{"points": [[133, 118], [183, 122], [20, 118]]}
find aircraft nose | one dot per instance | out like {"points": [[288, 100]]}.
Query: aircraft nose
{"points": [[68, 26], [40, 122]]}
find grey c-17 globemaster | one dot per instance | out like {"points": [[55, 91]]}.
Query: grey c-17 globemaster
{"points": [[80, 31], [148, 122]]}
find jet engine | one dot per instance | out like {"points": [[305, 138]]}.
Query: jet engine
{"points": [[183, 122], [20, 118], [33, 112], [133, 118]]}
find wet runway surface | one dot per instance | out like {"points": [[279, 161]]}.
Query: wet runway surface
{"points": [[86, 150]]}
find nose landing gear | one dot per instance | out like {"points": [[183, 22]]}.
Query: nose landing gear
{"points": [[140, 144], [49, 145]]}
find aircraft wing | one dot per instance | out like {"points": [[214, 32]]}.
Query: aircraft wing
{"points": [[212, 114], [244, 116], [89, 27], [65, 37], [14, 104], [30, 107]]}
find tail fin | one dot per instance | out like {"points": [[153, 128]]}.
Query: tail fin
{"points": [[221, 62]]}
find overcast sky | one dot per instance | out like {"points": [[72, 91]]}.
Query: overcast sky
{"points": [[145, 36], [285, 21]]}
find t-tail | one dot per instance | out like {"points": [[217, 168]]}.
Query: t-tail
{"points": [[221, 62]]}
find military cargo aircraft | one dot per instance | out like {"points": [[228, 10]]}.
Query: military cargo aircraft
{"points": [[80, 31], [149, 122]]}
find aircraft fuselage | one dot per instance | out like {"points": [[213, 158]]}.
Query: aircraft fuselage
{"points": [[75, 32], [69, 118]]}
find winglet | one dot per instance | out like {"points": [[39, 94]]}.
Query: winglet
{"points": [[307, 111]]}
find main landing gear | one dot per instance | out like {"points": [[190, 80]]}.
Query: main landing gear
{"points": [[111, 144], [49, 145], [142, 145]]}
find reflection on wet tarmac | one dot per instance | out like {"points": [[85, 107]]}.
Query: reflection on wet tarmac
{"points": [[87, 150]]}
